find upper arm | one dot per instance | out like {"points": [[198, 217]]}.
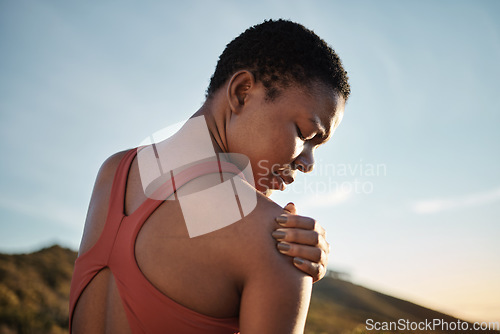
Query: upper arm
{"points": [[275, 301], [275, 296]]}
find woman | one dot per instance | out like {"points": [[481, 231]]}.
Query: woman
{"points": [[149, 265]]}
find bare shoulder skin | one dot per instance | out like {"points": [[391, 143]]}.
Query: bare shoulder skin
{"points": [[235, 271]]}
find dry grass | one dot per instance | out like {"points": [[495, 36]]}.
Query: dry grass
{"points": [[34, 294]]}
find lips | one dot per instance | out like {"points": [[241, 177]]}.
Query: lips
{"points": [[281, 179], [286, 177]]}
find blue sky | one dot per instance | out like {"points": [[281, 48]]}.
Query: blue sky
{"points": [[82, 80]]}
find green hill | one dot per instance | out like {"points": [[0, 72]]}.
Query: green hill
{"points": [[34, 292]]}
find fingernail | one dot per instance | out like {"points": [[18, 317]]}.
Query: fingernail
{"points": [[298, 261], [279, 235], [283, 247], [281, 219]]}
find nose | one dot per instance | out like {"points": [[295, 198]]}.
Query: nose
{"points": [[305, 161]]}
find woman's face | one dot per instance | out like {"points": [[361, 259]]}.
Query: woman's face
{"points": [[280, 136]]}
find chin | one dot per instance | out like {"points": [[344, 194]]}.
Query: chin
{"points": [[267, 192], [264, 189]]}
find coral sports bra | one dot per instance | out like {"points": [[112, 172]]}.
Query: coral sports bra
{"points": [[148, 310]]}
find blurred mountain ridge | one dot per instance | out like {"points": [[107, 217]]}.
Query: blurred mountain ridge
{"points": [[34, 294]]}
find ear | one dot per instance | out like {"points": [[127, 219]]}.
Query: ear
{"points": [[237, 90]]}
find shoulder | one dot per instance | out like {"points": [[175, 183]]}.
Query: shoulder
{"points": [[99, 200], [246, 243], [105, 176], [106, 172], [109, 166]]}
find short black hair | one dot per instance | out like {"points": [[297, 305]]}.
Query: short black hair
{"points": [[280, 53]]}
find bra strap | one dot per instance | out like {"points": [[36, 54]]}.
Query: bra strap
{"points": [[117, 197]]}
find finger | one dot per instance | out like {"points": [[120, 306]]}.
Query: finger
{"points": [[317, 271], [300, 236], [320, 229], [296, 221], [300, 222], [313, 254], [290, 207]]}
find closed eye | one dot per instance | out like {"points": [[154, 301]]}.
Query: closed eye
{"points": [[299, 134]]}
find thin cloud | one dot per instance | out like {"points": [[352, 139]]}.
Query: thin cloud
{"points": [[328, 199], [444, 204], [43, 208]]}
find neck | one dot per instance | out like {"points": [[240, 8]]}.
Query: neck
{"points": [[216, 119]]}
